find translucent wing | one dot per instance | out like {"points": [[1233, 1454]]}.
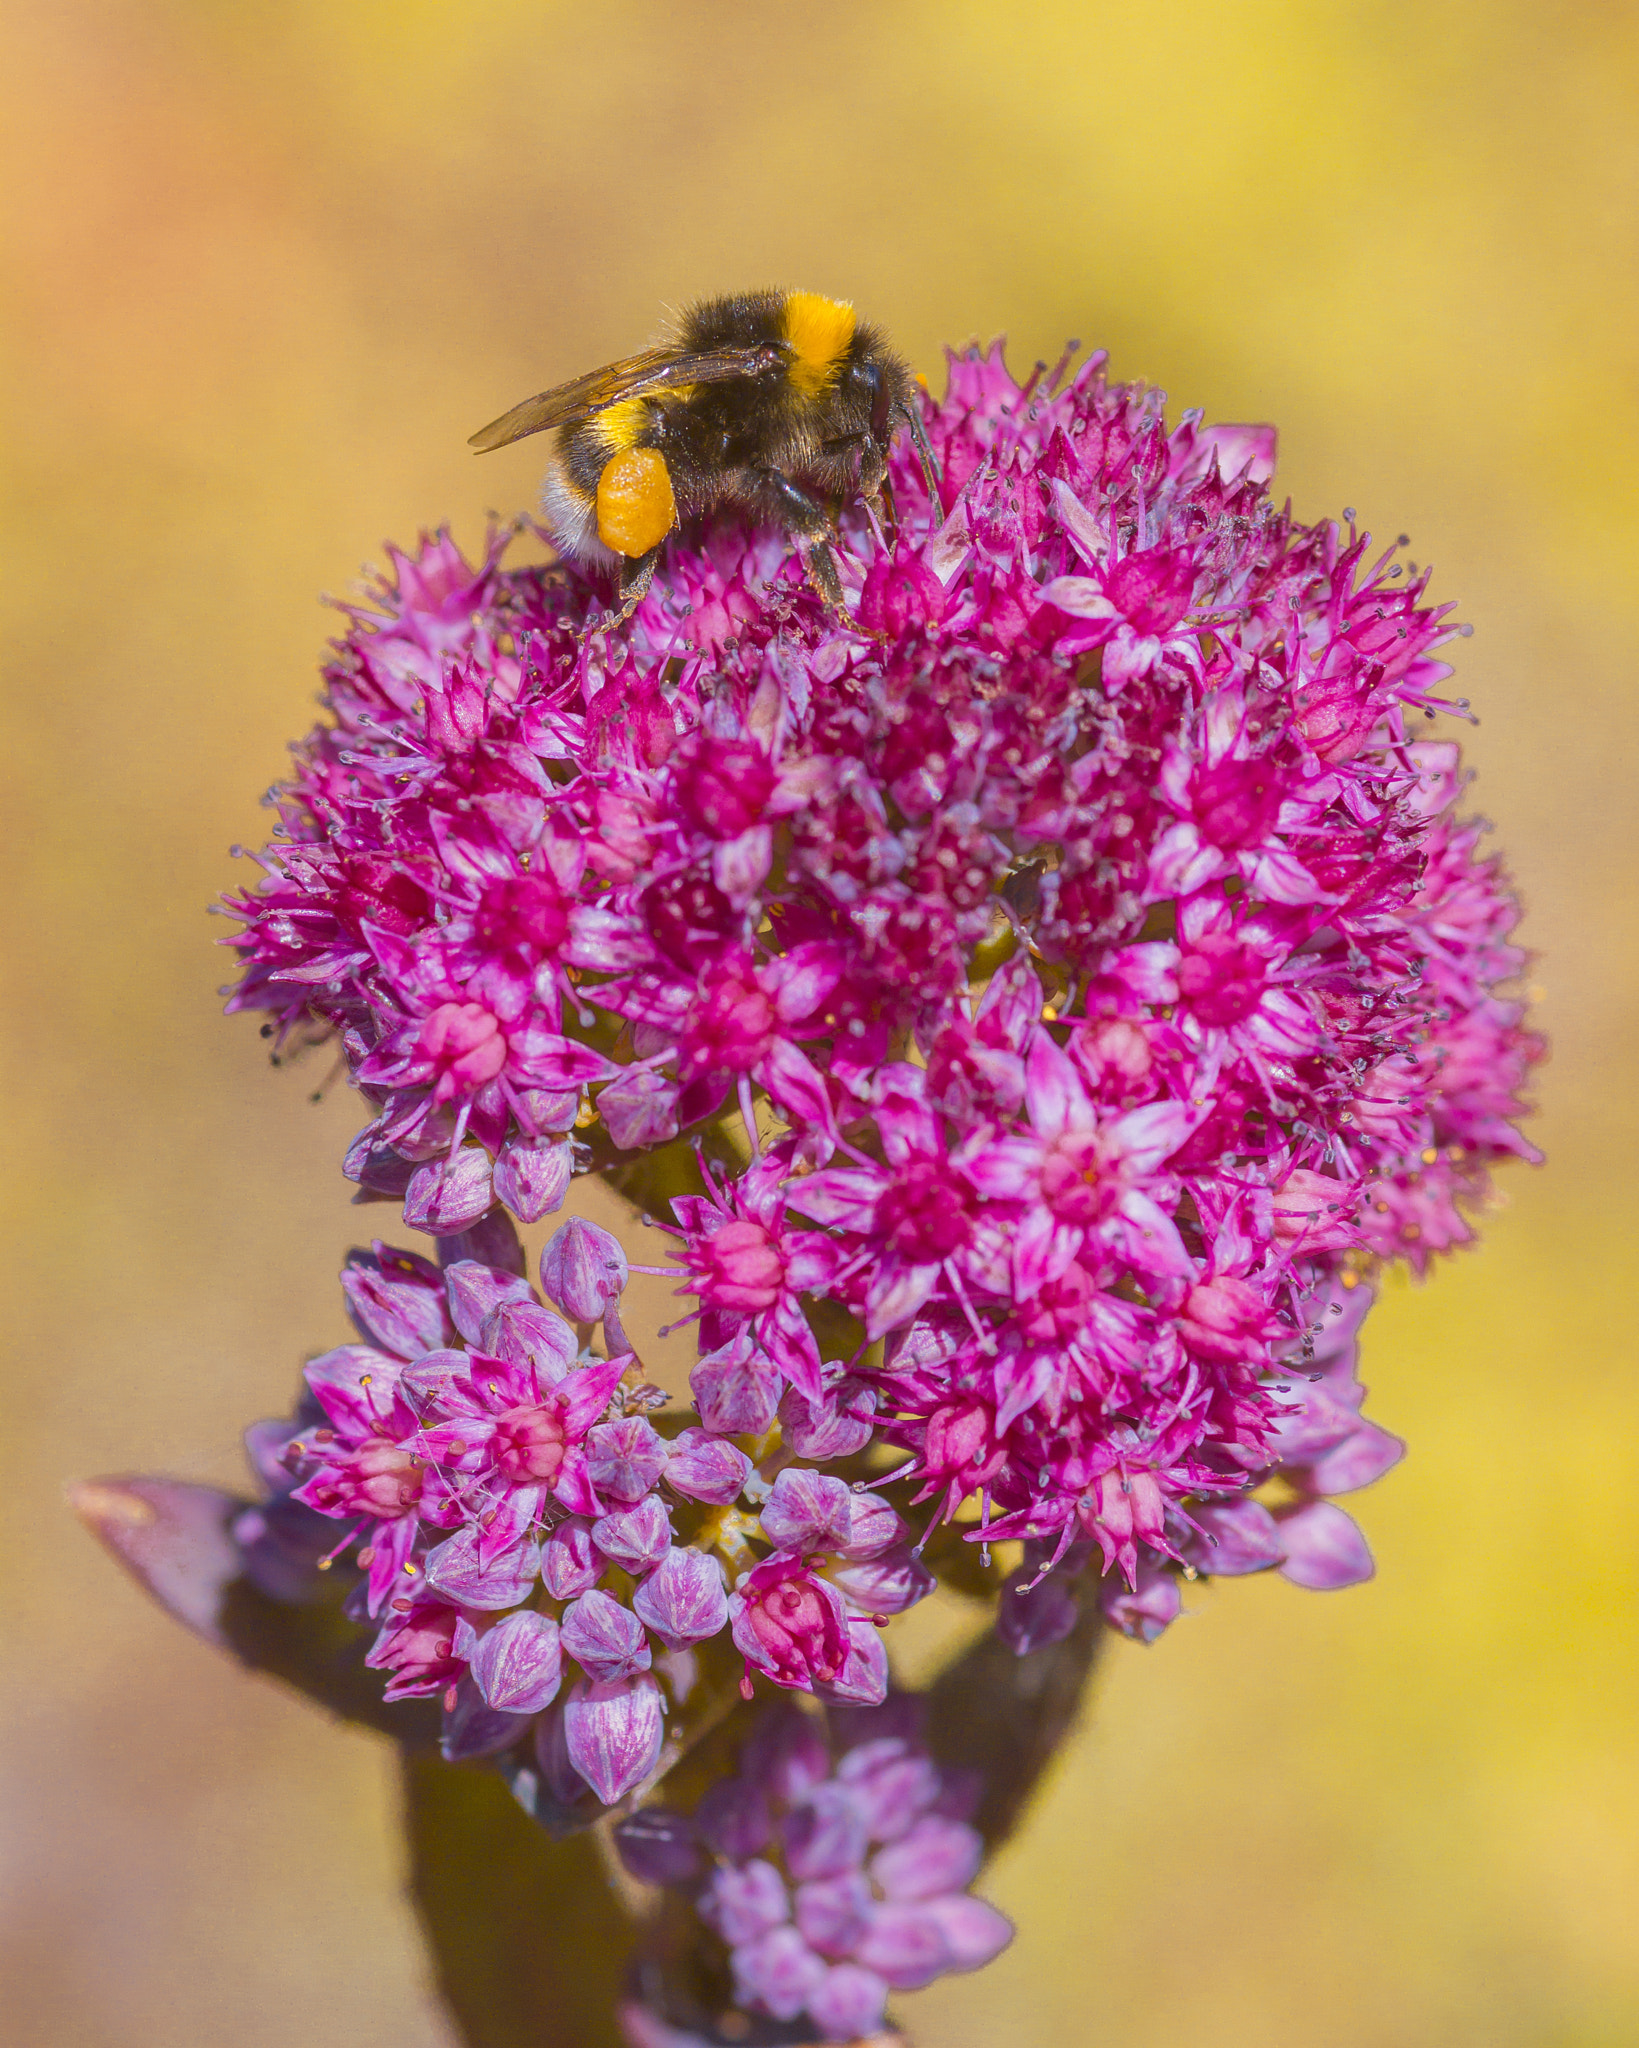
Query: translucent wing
{"points": [[657, 369]]}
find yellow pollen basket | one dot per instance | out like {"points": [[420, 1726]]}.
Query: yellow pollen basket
{"points": [[636, 508], [819, 331]]}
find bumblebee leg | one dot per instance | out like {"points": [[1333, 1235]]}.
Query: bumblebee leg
{"points": [[821, 565], [803, 518], [873, 465], [636, 574], [912, 415]]}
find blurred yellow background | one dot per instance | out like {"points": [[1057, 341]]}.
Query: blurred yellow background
{"points": [[269, 265]]}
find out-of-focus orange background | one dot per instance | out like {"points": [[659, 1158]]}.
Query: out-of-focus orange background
{"points": [[269, 265]]}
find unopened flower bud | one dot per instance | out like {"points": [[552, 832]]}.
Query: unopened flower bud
{"points": [[613, 1732], [457, 1569], [449, 1195], [745, 1900], [1237, 1536], [934, 1856], [706, 1467], [1323, 1548], [517, 1665], [636, 1537], [657, 1845], [570, 1562], [736, 1389], [397, 1300], [475, 1292], [605, 1639], [625, 1458], [807, 1511], [532, 1176], [683, 1599], [582, 1267]]}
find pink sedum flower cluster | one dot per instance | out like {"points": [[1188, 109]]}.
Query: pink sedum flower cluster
{"points": [[1089, 947], [517, 1514], [830, 1880]]}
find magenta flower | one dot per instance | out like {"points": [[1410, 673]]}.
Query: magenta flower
{"points": [[791, 1625]]}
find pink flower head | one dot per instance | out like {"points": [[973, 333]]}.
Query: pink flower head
{"points": [[1075, 935]]}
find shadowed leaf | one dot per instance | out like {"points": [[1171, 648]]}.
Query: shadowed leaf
{"points": [[1006, 1717], [318, 1651]]}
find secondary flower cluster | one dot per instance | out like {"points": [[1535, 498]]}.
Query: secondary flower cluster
{"points": [[830, 1881], [514, 1509], [1093, 957]]}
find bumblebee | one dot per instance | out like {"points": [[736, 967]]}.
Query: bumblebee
{"points": [[783, 403]]}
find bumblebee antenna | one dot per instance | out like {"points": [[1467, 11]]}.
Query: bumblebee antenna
{"points": [[925, 454]]}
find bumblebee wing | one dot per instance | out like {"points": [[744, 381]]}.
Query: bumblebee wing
{"points": [[657, 369]]}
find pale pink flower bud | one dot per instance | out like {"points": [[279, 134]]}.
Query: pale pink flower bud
{"points": [[396, 1299], [888, 1584], [172, 1537], [850, 2004], [532, 1176], [890, 1783], [778, 1972], [605, 1639], [744, 1900], [1236, 1536], [457, 1570], [873, 1526], [934, 1856], [582, 1268], [524, 1333], [1323, 1548], [825, 1836], [450, 1195], [636, 1537], [639, 1109], [517, 1665], [475, 1292], [807, 1510], [834, 1912], [706, 1467], [863, 1679], [613, 1732], [828, 1428], [625, 1458], [1365, 1454], [905, 1946], [683, 1599], [975, 1933], [570, 1562], [736, 1389]]}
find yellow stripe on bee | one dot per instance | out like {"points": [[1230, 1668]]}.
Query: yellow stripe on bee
{"points": [[819, 331], [636, 508], [618, 426]]}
